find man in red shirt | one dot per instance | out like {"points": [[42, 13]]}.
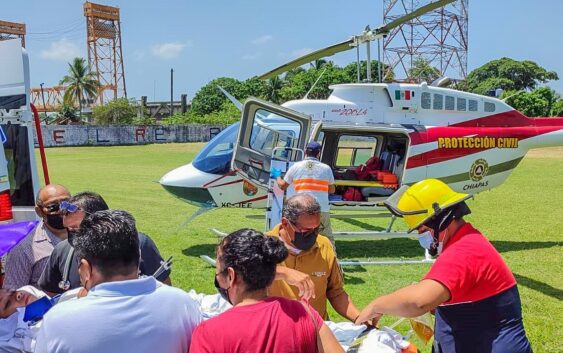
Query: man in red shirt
{"points": [[470, 286]]}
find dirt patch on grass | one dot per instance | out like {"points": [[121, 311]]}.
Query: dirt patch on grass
{"points": [[551, 152]]}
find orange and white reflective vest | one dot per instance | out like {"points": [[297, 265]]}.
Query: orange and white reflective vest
{"points": [[312, 176]]}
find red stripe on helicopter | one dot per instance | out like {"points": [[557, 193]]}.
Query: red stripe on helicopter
{"points": [[461, 138], [228, 183], [255, 199], [232, 172]]}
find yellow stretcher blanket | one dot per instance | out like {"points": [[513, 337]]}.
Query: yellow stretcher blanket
{"points": [[358, 183]]}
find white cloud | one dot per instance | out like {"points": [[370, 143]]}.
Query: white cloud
{"points": [[251, 56], [262, 40], [300, 52], [168, 50], [61, 50]]}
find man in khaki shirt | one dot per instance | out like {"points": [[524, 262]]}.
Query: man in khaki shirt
{"points": [[311, 269]]}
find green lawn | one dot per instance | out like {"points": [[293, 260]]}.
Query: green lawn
{"points": [[523, 219]]}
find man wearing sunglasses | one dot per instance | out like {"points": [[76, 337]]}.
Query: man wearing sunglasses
{"points": [[61, 271], [311, 270], [25, 262]]}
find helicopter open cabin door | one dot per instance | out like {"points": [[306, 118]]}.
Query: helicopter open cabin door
{"points": [[268, 131], [269, 135]]}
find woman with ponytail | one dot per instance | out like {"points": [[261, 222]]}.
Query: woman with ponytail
{"points": [[246, 265]]}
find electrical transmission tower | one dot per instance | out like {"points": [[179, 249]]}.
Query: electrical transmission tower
{"points": [[439, 37], [105, 56], [12, 30]]}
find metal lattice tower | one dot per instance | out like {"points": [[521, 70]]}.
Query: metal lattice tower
{"points": [[105, 55], [439, 36], [12, 30]]}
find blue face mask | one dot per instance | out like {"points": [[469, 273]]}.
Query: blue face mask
{"points": [[426, 240]]}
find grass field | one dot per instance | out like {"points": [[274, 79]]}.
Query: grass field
{"points": [[523, 218]]}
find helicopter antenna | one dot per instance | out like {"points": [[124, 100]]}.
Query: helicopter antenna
{"points": [[368, 52], [358, 62], [379, 78], [314, 84]]}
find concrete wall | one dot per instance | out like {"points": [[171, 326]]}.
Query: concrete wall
{"points": [[89, 135]]}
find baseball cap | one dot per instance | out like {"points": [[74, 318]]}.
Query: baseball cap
{"points": [[314, 146]]}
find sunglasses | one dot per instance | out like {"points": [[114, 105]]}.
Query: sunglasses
{"points": [[67, 207], [54, 207]]}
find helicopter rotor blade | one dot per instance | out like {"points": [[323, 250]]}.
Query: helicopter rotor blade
{"points": [[365, 36], [383, 30], [321, 53]]}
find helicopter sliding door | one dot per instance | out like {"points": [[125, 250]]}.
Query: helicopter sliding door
{"points": [[268, 131]]}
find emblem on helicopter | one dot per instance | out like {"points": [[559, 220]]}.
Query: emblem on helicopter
{"points": [[479, 170], [249, 189]]}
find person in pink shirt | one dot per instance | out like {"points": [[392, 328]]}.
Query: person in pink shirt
{"points": [[246, 266]]}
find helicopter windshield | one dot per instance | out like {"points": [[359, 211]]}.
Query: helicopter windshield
{"points": [[215, 157]]}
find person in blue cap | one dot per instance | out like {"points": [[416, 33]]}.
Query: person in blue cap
{"points": [[312, 176]]}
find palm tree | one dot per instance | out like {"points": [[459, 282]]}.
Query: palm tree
{"points": [[318, 64], [82, 83], [273, 87]]}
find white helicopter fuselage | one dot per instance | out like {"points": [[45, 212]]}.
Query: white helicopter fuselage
{"points": [[469, 141]]}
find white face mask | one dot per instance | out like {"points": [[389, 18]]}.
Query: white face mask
{"points": [[426, 239], [440, 248]]}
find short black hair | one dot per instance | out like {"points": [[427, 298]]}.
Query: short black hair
{"points": [[89, 202], [252, 255], [300, 204], [109, 241]]}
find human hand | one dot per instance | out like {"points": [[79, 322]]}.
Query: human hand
{"points": [[275, 173], [368, 318], [82, 292], [302, 281]]}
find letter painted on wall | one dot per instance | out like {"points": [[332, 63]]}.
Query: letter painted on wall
{"points": [[98, 140], [140, 133], [159, 134], [58, 136], [213, 131]]}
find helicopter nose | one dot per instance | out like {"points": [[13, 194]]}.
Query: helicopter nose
{"points": [[186, 183]]}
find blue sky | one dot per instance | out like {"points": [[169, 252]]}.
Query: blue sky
{"points": [[206, 39]]}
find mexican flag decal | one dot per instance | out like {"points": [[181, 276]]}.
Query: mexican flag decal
{"points": [[403, 95]]}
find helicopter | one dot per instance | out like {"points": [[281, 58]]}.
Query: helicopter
{"points": [[413, 131]]}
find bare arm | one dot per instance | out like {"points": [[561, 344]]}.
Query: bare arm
{"points": [[329, 343], [331, 189], [167, 281], [344, 306], [298, 279], [282, 183], [410, 301]]}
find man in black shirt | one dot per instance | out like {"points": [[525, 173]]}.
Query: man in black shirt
{"points": [[61, 272]]}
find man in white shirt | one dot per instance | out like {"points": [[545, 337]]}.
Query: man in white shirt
{"points": [[312, 176], [121, 313]]}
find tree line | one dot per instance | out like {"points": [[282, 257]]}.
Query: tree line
{"points": [[519, 83]]}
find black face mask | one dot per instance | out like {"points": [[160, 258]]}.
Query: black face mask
{"points": [[305, 240], [222, 291], [71, 236], [55, 221]]}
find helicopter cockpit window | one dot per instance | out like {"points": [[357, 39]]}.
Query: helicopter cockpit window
{"points": [[425, 100], [472, 105], [450, 103], [438, 102], [461, 104], [215, 157], [489, 107], [355, 150], [271, 133]]}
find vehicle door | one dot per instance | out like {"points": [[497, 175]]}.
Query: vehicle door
{"points": [[268, 131]]}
